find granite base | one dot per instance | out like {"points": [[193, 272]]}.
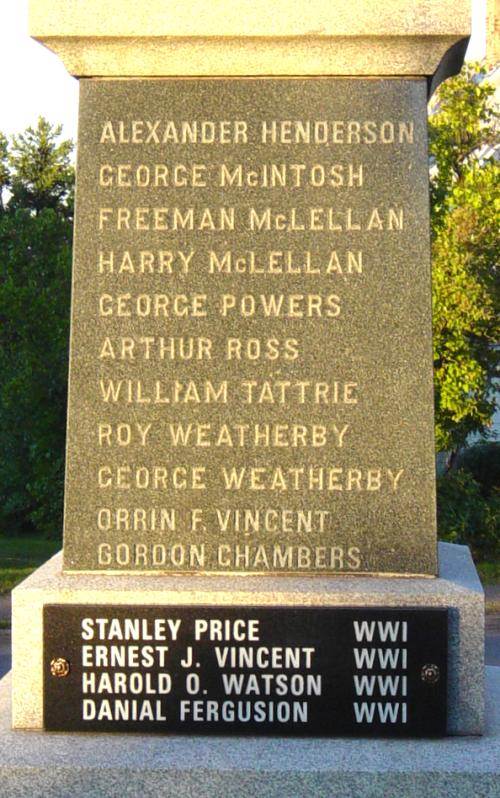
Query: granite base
{"points": [[48, 765], [457, 588]]}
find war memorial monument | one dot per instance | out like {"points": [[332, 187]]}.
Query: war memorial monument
{"points": [[251, 598]]}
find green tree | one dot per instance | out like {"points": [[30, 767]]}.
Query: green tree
{"points": [[35, 258], [4, 169], [42, 173], [465, 199]]}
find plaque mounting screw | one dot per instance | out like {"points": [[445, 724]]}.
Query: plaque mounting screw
{"points": [[59, 667], [430, 674]]}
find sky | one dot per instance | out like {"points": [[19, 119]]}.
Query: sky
{"points": [[33, 82]]}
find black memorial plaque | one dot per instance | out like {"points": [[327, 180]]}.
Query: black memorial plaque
{"points": [[255, 670]]}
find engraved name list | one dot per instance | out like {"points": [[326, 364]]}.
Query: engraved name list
{"points": [[250, 383]]}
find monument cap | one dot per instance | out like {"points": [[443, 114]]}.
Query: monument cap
{"points": [[123, 38]]}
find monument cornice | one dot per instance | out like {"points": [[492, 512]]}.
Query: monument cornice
{"points": [[123, 38]]}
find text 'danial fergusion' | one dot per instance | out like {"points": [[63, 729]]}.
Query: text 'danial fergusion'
{"points": [[245, 670]]}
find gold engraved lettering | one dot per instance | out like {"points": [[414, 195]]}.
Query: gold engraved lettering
{"points": [[287, 392], [152, 348], [305, 478], [137, 519], [169, 132], [254, 349], [298, 220], [293, 175], [152, 176], [127, 391], [127, 477], [145, 262], [153, 305], [272, 520], [288, 558], [289, 306], [256, 435], [284, 262], [154, 555], [123, 434], [336, 132], [163, 219]]}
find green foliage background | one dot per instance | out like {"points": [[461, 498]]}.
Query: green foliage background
{"points": [[36, 210], [465, 204], [35, 273]]}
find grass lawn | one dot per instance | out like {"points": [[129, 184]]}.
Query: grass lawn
{"points": [[489, 572], [20, 556]]}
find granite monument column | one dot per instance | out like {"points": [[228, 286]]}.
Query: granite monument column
{"points": [[250, 535]]}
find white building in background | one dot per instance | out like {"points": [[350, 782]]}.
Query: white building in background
{"points": [[492, 32]]}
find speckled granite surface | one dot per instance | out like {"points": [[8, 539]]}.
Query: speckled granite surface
{"points": [[316, 461], [43, 765], [457, 588], [245, 37]]}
